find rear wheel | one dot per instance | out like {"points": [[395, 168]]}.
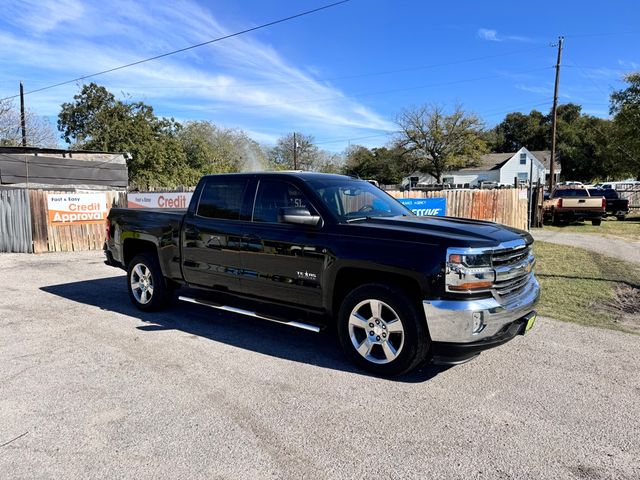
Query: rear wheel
{"points": [[596, 222], [382, 330], [620, 218], [147, 287]]}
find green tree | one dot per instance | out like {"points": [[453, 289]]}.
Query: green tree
{"points": [[96, 120], [386, 165], [625, 135], [281, 157], [582, 142], [211, 149], [436, 143], [519, 130]]}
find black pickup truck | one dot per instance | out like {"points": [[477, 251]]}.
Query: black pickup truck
{"points": [[614, 205], [315, 250]]}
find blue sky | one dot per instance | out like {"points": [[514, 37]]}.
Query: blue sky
{"points": [[341, 75]]}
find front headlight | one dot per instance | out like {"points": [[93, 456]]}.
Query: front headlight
{"points": [[469, 272]]}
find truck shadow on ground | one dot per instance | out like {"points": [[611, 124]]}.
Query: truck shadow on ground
{"points": [[240, 331]]}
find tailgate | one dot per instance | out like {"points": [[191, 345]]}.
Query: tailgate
{"points": [[583, 203]]}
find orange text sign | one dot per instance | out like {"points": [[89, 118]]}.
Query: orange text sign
{"points": [[76, 208]]}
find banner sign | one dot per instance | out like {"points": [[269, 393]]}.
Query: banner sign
{"points": [[159, 200], [76, 208], [426, 206]]}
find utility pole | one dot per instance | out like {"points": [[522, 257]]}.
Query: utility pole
{"points": [[295, 152], [22, 120], [554, 115]]}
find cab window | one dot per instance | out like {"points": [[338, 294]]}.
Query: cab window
{"points": [[274, 195], [222, 198]]}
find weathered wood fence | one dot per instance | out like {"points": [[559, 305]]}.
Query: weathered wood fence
{"points": [[506, 206], [24, 225], [67, 238]]}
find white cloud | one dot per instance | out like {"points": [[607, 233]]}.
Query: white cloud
{"points": [[535, 89], [488, 34], [491, 35], [629, 65], [237, 78]]}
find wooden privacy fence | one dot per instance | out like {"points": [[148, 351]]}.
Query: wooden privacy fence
{"points": [[67, 238], [506, 206]]}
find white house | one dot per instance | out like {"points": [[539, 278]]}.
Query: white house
{"points": [[502, 168]]}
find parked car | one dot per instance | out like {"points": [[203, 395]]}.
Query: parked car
{"points": [[571, 203], [615, 206], [313, 250]]}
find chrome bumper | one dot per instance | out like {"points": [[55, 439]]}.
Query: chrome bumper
{"points": [[466, 321]]}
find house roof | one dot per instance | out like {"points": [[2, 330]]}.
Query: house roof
{"points": [[545, 156], [495, 161]]}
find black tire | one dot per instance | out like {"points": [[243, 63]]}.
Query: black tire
{"points": [[621, 218], [152, 292], [411, 345], [595, 223]]}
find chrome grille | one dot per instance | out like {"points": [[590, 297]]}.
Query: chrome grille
{"points": [[513, 270], [510, 256]]}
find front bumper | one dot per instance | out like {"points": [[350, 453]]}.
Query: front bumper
{"points": [[474, 325]]}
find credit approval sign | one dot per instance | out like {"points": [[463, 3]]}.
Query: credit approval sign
{"points": [[159, 200], [76, 208]]}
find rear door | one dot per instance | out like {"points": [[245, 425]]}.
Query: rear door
{"points": [[212, 233]]}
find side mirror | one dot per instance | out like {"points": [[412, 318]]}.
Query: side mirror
{"points": [[298, 215]]}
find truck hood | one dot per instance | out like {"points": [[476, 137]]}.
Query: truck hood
{"points": [[451, 231]]}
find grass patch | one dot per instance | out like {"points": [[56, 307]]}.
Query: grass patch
{"points": [[581, 286], [630, 228]]}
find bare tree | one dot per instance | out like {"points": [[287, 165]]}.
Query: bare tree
{"points": [[40, 132], [435, 142]]}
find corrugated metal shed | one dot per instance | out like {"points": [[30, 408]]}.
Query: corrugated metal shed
{"points": [[34, 166]]}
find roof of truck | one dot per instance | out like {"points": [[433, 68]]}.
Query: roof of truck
{"points": [[290, 173]]}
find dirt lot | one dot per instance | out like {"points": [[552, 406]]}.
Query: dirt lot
{"points": [[91, 388]]}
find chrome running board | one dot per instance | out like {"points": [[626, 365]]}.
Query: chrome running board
{"points": [[226, 308]]}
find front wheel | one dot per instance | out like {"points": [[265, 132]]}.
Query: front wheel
{"points": [[147, 287], [381, 330]]}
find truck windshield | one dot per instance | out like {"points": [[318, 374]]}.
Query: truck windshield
{"points": [[351, 199]]}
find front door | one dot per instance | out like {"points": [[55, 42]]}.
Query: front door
{"points": [[282, 261]]}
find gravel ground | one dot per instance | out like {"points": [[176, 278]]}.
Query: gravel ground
{"points": [[91, 388], [613, 247]]}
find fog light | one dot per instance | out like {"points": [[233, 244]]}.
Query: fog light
{"points": [[478, 322]]}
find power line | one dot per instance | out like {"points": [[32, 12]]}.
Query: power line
{"points": [[180, 50], [601, 34], [365, 94], [391, 132], [343, 77]]}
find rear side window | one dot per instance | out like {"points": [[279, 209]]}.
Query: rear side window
{"points": [[274, 195], [222, 198]]}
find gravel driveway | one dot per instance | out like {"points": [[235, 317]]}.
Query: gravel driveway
{"points": [[613, 247], [91, 388]]}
